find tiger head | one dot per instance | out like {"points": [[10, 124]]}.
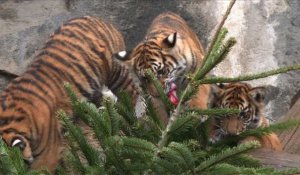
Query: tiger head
{"points": [[15, 131], [249, 100], [24, 126], [160, 54]]}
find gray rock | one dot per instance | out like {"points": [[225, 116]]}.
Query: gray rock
{"points": [[267, 33]]}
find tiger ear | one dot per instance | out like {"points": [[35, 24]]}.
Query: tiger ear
{"points": [[216, 89], [122, 55], [170, 41], [258, 93], [215, 92]]}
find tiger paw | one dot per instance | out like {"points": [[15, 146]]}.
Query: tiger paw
{"points": [[108, 94]]}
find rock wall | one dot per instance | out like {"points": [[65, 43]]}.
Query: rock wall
{"points": [[267, 31]]}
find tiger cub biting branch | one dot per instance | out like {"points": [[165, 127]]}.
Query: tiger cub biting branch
{"points": [[79, 52], [250, 101], [171, 50]]}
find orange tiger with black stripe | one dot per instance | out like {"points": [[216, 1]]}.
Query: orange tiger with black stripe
{"points": [[80, 52], [171, 50], [250, 101]]}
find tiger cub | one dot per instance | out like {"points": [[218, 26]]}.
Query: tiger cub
{"points": [[171, 50], [79, 52], [250, 101]]}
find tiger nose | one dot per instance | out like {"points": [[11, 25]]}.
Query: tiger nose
{"points": [[29, 160]]}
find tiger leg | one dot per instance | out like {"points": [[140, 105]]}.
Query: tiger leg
{"points": [[270, 141]]}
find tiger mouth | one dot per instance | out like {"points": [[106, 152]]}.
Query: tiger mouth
{"points": [[28, 161], [171, 90]]}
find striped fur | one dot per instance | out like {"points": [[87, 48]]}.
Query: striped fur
{"points": [[250, 101], [170, 49], [79, 52]]}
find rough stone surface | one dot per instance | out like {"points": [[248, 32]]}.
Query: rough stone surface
{"points": [[267, 31]]}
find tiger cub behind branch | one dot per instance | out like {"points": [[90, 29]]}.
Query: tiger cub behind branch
{"points": [[250, 101], [171, 50], [79, 52]]}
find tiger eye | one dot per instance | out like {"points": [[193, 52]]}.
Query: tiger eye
{"points": [[255, 120], [243, 114], [160, 72]]}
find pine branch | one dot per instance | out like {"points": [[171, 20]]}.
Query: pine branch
{"points": [[212, 160], [289, 171], [185, 154], [272, 128], [113, 118], [113, 158], [192, 87], [215, 37], [151, 112], [92, 156], [7, 163], [244, 161], [104, 123], [74, 161], [125, 107], [219, 42], [182, 124], [227, 169], [214, 111], [213, 80], [209, 63], [160, 90], [162, 166], [173, 156], [136, 144], [214, 58]]}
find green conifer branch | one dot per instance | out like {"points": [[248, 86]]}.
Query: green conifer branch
{"points": [[212, 160], [136, 144], [163, 166], [7, 163], [185, 154], [182, 124], [214, 111], [74, 162], [113, 158], [244, 161], [151, 112], [172, 156], [272, 128], [214, 58], [113, 119], [216, 35], [125, 107], [213, 80], [217, 45], [288, 171], [92, 156], [160, 90], [227, 169], [165, 134], [209, 63], [60, 171]]}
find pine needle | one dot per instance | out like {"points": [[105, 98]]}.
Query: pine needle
{"points": [[212, 160]]}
